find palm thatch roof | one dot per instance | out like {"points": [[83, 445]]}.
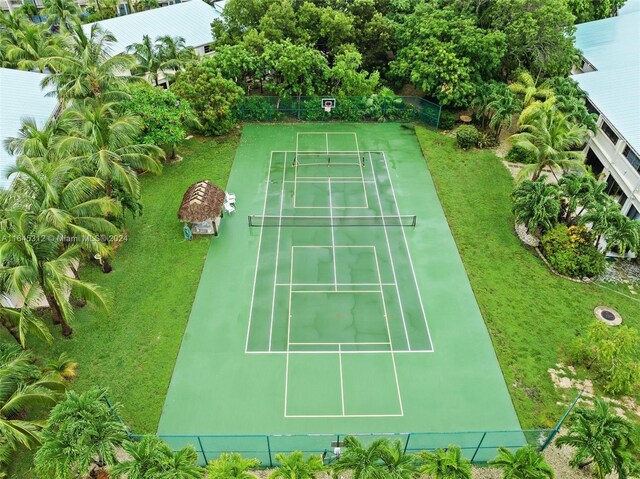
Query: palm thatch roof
{"points": [[203, 201]]}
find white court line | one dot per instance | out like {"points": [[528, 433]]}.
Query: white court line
{"points": [[326, 137], [406, 243], [393, 269], [275, 274], [286, 369], [255, 277], [333, 240], [341, 380]]}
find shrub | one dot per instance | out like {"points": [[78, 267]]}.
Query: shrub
{"points": [[447, 120], [571, 252], [467, 136], [486, 140], [257, 108], [517, 154]]}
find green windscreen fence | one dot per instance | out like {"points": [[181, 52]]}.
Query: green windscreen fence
{"points": [[477, 446], [352, 108]]}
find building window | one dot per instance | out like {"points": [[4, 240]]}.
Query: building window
{"points": [[614, 190], [591, 108], [607, 130], [633, 213], [594, 162], [207, 49], [632, 157]]}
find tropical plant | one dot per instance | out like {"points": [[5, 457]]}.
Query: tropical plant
{"points": [[81, 434], [61, 14], [446, 463], [24, 389], [502, 106], [536, 204], [231, 466], [88, 69], [577, 191], [601, 438], [570, 252], [152, 458], [104, 143], [35, 142], [363, 461], [295, 466], [398, 464], [528, 91], [37, 266], [31, 47], [602, 218], [63, 367], [553, 139], [624, 235], [525, 463], [484, 95]]}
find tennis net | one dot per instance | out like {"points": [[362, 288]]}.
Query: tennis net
{"points": [[330, 221], [328, 158]]}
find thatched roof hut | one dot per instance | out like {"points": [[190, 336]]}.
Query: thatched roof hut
{"points": [[202, 205]]}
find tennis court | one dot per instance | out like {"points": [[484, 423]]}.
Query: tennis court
{"points": [[340, 305]]}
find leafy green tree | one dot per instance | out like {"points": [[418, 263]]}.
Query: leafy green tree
{"points": [[587, 11], [536, 204], [24, 391], [82, 434], [61, 14], [237, 63], [446, 54], [164, 116], [103, 143], [87, 69], [525, 463], [362, 461], [485, 94], [41, 266], [152, 458], [213, 98], [502, 106], [347, 79], [295, 466], [231, 466], [539, 34], [296, 70], [553, 139], [600, 438], [446, 463]]}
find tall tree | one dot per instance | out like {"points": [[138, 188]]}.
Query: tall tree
{"points": [[600, 438], [602, 218], [31, 47], [525, 463], [24, 390], [61, 14], [104, 143], [82, 434]]}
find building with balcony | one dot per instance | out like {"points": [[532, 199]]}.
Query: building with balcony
{"points": [[21, 97], [610, 74]]}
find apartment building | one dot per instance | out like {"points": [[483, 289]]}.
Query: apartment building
{"points": [[610, 74]]}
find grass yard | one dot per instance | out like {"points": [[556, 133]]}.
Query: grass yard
{"points": [[131, 349], [531, 314]]}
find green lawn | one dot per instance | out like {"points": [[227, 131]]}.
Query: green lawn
{"points": [[131, 348], [531, 314]]}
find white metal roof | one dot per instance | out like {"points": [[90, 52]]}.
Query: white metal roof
{"points": [[20, 97], [190, 20]]}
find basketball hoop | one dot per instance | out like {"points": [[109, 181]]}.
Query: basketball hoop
{"points": [[328, 104]]}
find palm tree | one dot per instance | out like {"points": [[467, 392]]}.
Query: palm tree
{"points": [[502, 106], [23, 388], [104, 143], [165, 55], [398, 464], [602, 218], [63, 367], [295, 466], [22, 322], [364, 462], [143, 5], [82, 434], [147, 58], [526, 463], [152, 458], [31, 47], [536, 204], [624, 235], [555, 142], [41, 266], [87, 69], [484, 95], [174, 52], [231, 466], [445, 464], [525, 87], [579, 192], [601, 438], [61, 14], [36, 142]]}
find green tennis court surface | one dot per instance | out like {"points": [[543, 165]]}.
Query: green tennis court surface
{"points": [[334, 309]]}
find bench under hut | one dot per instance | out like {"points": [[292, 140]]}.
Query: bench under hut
{"points": [[201, 208]]}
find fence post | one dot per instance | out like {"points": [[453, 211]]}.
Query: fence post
{"points": [[479, 444], [555, 430], [204, 455], [269, 450], [406, 444]]}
